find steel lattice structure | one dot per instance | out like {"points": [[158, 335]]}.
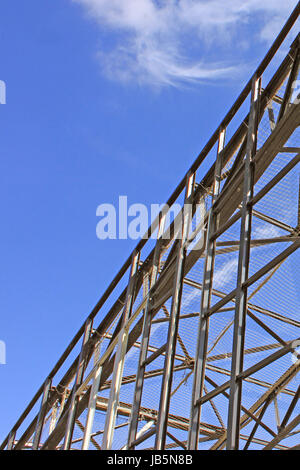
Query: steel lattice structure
{"points": [[198, 349]]}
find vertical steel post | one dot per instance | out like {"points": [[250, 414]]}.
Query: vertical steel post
{"points": [[78, 380], [11, 440], [91, 409], [134, 418], [291, 84], [119, 362], [201, 351], [92, 401], [53, 419], [243, 269], [298, 218], [162, 421], [41, 415]]}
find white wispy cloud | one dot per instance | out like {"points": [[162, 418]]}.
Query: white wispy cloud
{"points": [[155, 40], [226, 273], [267, 231]]}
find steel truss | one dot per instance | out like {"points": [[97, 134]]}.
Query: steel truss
{"points": [[187, 354]]}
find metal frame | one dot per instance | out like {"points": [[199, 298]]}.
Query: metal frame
{"points": [[159, 273]]}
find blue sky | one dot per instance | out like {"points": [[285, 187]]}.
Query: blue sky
{"points": [[104, 98]]}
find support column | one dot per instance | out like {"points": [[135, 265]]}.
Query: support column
{"points": [[162, 421], [92, 401], [11, 440], [291, 85], [201, 351], [234, 411], [41, 415], [91, 409], [78, 381], [145, 342], [119, 362]]}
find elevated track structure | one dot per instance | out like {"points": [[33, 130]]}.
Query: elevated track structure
{"points": [[196, 342]]}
